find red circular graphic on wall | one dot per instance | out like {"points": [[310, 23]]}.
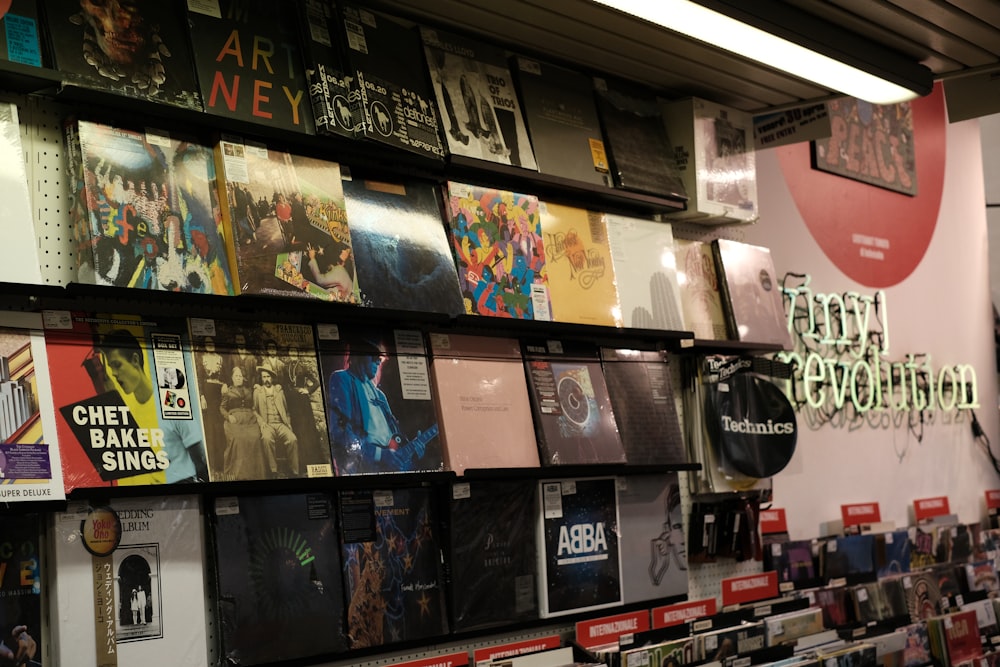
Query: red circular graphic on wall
{"points": [[874, 235]]}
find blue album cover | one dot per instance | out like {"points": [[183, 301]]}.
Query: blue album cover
{"points": [[580, 565], [892, 553], [853, 554]]}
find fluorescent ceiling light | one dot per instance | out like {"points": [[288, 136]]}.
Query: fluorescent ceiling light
{"points": [[732, 34]]}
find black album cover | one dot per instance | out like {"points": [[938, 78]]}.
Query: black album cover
{"points": [[574, 421], [249, 63], [493, 553], [641, 155], [394, 102], [332, 90], [132, 48], [562, 120], [278, 576], [21, 588], [640, 385], [579, 555], [379, 402], [391, 566], [751, 293], [404, 260], [476, 99]]}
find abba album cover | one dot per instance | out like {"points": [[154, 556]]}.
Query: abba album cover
{"points": [[379, 402], [22, 577], [249, 63], [144, 210], [261, 400], [574, 421], [580, 564], [404, 259], [392, 566], [131, 584], [476, 99], [641, 388], [286, 222], [137, 49], [278, 575], [496, 236], [492, 553], [127, 401]]}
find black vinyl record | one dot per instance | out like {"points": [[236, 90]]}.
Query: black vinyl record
{"points": [[751, 425]]}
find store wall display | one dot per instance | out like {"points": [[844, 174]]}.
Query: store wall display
{"points": [[145, 210]]}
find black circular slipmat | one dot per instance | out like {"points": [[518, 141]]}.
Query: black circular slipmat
{"points": [[752, 426]]}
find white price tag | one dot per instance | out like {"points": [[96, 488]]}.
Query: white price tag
{"points": [[461, 491], [227, 506]]}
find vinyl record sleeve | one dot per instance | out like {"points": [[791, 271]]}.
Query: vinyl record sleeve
{"points": [[574, 422], [751, 293], [144, 210], [578, 263], [261, 400], [392, 566], [160, 555], [922, 595], [127, 401], [477, 102], [286, 222], [20, 249], [404, 260], [332, 90], [23, 575], [143, 51], [379, 401], [496, 236], [562, 119], [492, 553], [701, 300], [30, 461], [249, 62], [483, 405], [640, 385], [579, 554], [646, 273], [652, 541], [278, 574]]}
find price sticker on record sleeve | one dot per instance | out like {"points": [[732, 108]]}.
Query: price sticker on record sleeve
{"points": [[327, 332], [227, 506], [382, 498], [202, 326], [461, 491], [552, 500]]}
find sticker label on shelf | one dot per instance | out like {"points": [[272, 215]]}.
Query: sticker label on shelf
{"points": [[490, 653], [750, 588], [683, 612], [609, 629]]}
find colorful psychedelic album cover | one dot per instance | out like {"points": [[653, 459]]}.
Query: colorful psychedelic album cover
{"points": [[30, 461], [284, 215], [144, 210], [127, 403], [392, 566], [496, 236]]}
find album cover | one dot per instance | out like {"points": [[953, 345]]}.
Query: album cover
{"points": [[892, 553], [574, 422], [492, 553], [751, 293], [131, 583], [849, 555], [958, 635], [379, 403], [21, 260], [646, 275], [476, 99], [717, 645], [894, 591], [392, 566], [261, 400], [127, 401], [404, 260], [21, 34], [854, 654], [794, 561], [483, 405], [141, 50], [580, 565], [578, 263], [789, 627], [640, 385], [496, 236], [23, 573], [144, 210], [922, 547], [640, 153], [562, 121], [286, 222], [836, 605], [701, 300], [870, 603], [652, 541], [666, 654], [249, 62], [278, 574], [30, 464], [923, 595], [982, 576], [718, 167], [332, 91], [918, 650]]}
